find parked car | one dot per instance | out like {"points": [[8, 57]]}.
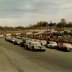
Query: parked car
{"points": [[51, 44], [8, 34], [34, 46], [58, 33], [65, 47], [68, 32]]}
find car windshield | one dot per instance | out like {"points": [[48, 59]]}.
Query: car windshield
{"points": [[19, 40], [13, 38], [52, 42], [37, 43]]}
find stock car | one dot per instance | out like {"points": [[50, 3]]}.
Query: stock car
{"points": [[8, 38], [31, 45], [13, 39], [23, 42], [18, 41], [65, 46], [51, 44]]}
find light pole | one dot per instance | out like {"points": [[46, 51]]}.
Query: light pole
{"points": [[47, 27], [50, 26]]}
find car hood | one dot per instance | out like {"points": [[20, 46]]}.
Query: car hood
{"points": [[67, 45]]}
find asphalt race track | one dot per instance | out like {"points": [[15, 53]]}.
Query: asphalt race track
{"points": [[14, 58]]}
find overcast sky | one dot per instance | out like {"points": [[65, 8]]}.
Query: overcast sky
{"points": [[27, 12]]}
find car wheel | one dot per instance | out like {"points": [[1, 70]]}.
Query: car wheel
{"points": [[57, 47], [26, 46], [32, 48], [51, 46], [46, 46], [68, 50]]}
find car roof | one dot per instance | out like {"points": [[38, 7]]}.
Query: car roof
{"points": [[52, 41]]}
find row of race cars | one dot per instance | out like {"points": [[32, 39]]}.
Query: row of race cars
{"points": [[27, 43], [40, 45]]}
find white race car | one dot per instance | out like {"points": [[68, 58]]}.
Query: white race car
{"points": [[8, 38], [18, 41], [51, 44], [31, 45], [65, 46]]}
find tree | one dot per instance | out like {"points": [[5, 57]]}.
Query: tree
{"points": [[62, 23]]}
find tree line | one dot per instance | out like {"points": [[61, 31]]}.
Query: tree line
{"points": [[62, 23]]}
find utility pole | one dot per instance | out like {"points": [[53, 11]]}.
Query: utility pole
{"points": [[50, 26], [47, 27]]}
